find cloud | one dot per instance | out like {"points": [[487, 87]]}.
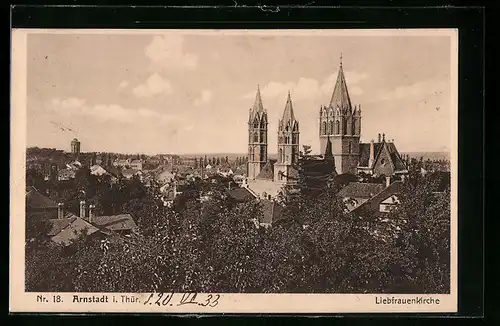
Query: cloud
{"points": [[154, 85], [206, 96], [424, 89], [123, 84], [310, 87], [167, 52], [78, 108]]}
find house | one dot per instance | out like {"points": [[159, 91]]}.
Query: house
{"points": [[64, 231], [66, 174], [97, 170], [136, 164], [39, 205], [130, 173], [384, 201], [356, 193], [380, 158], [165, 177], [75, 165], [241, 194], [122, 163], [224, 171], [122, 223]]}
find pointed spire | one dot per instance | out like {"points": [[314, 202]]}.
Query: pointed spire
{"points": [[257, 106], [340, 96], [288, 113], [328, 149]]}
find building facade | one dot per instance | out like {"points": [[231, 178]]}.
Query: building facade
{"points": [[288, 144], [257, 138], [75, 147], [341, 123]]}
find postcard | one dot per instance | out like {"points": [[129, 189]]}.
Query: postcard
{"points": [[234, 171]]}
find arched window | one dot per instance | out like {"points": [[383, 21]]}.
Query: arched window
{"points": [[256, 123], [350, 147], [331, 128], [294, 139], [355, 127], [344, 126], [255, 137], [263, 123], [262, 135], [337, 127], [281, 155], [323, 130]]}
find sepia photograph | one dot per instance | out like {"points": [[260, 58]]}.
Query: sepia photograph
{"points": [[212, 166]]}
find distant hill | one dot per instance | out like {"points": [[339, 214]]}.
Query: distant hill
{"points": [[429, 155]]}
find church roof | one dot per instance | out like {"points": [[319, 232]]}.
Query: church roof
{"points": [[328, 150], [396, 160], [340, 96], [267, 172], [288, 112], [257, 106]]}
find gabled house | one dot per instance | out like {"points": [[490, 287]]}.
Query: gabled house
{"points": [[122, 224], [384, 201], [66, 230], [39, 205], [130, 173], [357, 193], [380, 158]]}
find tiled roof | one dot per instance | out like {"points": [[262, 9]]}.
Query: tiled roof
{"points": [[130, 172], [360, 190], [396, 161], [271, 211], [241, 194], [395, 157], [121, 222], [34, 199], [65, 230], [364, 153], [267, 172], [386, 192]]}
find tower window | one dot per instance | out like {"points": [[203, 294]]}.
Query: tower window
{"points": [[331, 128], [255, 137], [337, 127], [350, 147], [281, 155], [323, 131]]}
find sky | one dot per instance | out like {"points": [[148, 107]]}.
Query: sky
{"points": [[183, 93]]}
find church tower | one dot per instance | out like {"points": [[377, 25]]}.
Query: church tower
{"points": [[341, 123], [257, 138], [288, 144]]}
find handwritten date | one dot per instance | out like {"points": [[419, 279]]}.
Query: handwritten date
{"points": [[167, 299]]}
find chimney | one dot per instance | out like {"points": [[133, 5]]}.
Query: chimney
{"points": [[379, 138], [82, 209], [60, 211], [372, 153], [387, 181], [91, 213], [383, 137]]}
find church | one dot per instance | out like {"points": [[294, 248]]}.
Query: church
{"points": [[340, 148]]}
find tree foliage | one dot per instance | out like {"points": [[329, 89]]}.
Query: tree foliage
{"points": [[215, 245]]}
